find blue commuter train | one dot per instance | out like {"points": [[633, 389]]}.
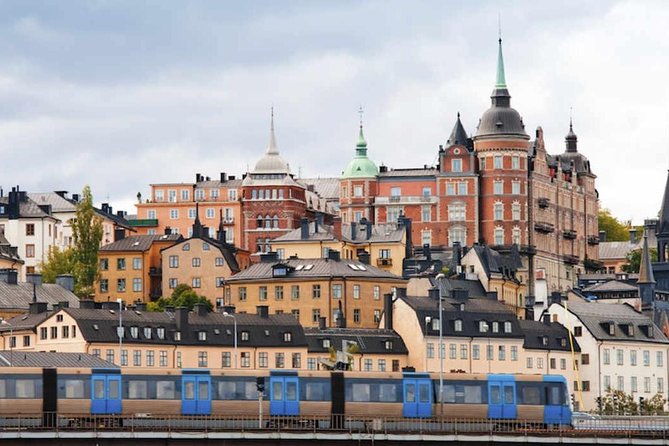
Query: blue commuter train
{"points": [[537, 399]]}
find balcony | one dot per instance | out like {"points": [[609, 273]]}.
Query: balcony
{"points": [[384, 262], [144, 223], [405, 199], [593, 240], [570, 259], [544, 203], [545, 228], [229, 221], [569, 234], [155, 272], [592, 264]]}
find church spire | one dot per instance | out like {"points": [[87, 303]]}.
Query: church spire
{"points": [[361, 146], [271, 147], [501, 78]]}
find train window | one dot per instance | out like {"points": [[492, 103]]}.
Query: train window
{"points": [[315, 389], [98, 389], [25, 388], [387, 393], [203, 390], [74, 388], [508, 394], [375, 390], [189, 390], [166, 390], [237, 389], [555, 394], [495, 396], [463, 393], [530, 393], [473, 394], [138, 390], [291, 391], [424, 393], [361, 392], [3, 388], [277, 390], [113, 389], [410, 393]]}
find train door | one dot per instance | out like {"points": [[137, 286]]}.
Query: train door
{"points": [[195, 392], [284, 391], [502, 397], [417, 395], [556, 409], [106, 392]]}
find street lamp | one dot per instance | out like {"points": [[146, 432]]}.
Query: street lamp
{"points": [[11, 345], [119, 331], [428, 320], [439, 278], [234, 319]]}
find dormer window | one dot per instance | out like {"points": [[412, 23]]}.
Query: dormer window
{"points": [[495, 327], [612, 329], [134, 332], [326, 343], [630, 330], [563, 342], [507, 327], [389, 345], [202, 335], [435, 324], [245, 335], [544, 341], [177, 336], [483, 326], [266, 332], [650, 331], [185, 247], [160, 332], [147, 332], [287, 337], [458, 325]]}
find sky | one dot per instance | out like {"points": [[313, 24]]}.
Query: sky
{"points": [[122, 94]]}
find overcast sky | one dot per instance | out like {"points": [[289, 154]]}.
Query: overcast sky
{"points": [[121, 94]]}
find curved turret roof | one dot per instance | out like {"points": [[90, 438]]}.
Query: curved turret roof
{"points": [[360, 166], [500, 119], [458, 135], [271, 162]]}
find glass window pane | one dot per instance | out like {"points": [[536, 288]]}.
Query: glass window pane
{"points": [[203, 390], [495, 395], [136, 389], [473, 394], [508, 395], [114, 390], [25, 388], [74, 388], [165, 390], [98, 389], [361, 392], [189, 390], [291, 391], [410, 393], [277, 391], [424, 393]]}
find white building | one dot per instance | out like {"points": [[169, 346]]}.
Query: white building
{"points": [[621, 349]]}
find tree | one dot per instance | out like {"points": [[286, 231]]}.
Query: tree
{"points": [[616, 231], [634, 260], [653, 406], [57, 262], [87, 235], [182, 296], [617, 402]]}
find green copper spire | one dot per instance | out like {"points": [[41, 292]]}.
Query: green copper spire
{"points": [[360, 166], [361, 146], [501, 80]]}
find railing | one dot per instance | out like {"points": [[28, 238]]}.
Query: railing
{"points": [[587, 426], [384, 262], [543, 203], [569, 234], [570, 259], [546, 228], [593, 240]]}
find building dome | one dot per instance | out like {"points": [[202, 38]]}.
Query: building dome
{"points": [[271, 162], [360, 166]]}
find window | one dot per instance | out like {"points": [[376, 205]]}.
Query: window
{"points": [[120, 264], [150, 358], [262, 293], [395, 191], [514, 353], [498, 211], [316, 291], [489, 353], [26, 340], [498, 187], [515, 187], [483, 326], [515, 211], [279, 360], [607, 356], [585, 359], [464, 351], [43, 333], [296, 360], [499, 236], [376, 291], [529, 362], [393, 213], [124, 357], [315, 315], [202, 359], [482, 163], [456, 212], [646, 358], [426, 237], [646, 384], [120, 285], [660, 385], [357, 191], [226, 359], [620, 356], [278, 292], [241, 292], [462, 188], [382, 365], [137, 263], [377, 316], [174, 214], [633, 357], [633, 384], [174, 261], [263, 360], [30, 251], [457, 234], [104, 285], [515, 162], [163, 358], [173, 283], [621, 383], [563, 364], [660, 359], [540, 363], [497, 162], [196, 282], [607, 382], [501, 352], [450, 188], [137, 285], [201, 335], [104, 264], [427, 191], [367, 365], [244, 336], [476, 352], [137, 358], [456, 165], [232, 194], [336, 291], [196, 262], [426, 213], [356, 315], [30, 229], [356, 291], [458, 325]]}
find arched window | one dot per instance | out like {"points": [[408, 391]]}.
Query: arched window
{"points": [[275, 221], [268, 221], [259, 221]]}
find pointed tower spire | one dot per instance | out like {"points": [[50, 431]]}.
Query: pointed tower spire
{"points": [[501, 78], [361, 146], [271, 147], [646, 282], [663, 224], [458, 134], [197, 225], [571, 140], [220, 235]]}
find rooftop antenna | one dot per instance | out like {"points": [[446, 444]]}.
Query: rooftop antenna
{"points": [[499, 25], [360, 112]]}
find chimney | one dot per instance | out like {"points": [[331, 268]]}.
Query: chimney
{"points": [[336, 227], [105, 208], [181, 317], [224, 177], [633, 239], [354, 229], [232, 177], [555, 297], [433, 293], [263, 311], [120, 214], [427, 252], [340, 319], [368, 228], [460, 294], [304, 228], [64, 304], [383, 168], [201, 309], [13, 204], [546, 319], [322, 323], [66, 281], [75, 198], [60, 193], [388, 311], [119, 234], [87, 304], [168, 230], [230, 309], [529, 313], [37, 307], [140, 306], [169, 308], [400, 292], [364, 257], [269, 257], [198, 177], [602, 236], [333, 254], [316, 223]]}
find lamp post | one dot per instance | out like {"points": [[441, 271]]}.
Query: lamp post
{"points": [[428, 319], [120, 331], [439, 278], [11, 345], [234, 319]]}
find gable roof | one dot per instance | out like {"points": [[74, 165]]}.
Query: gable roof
{"points": [[228, 251], [19, 296], [28, 208], [534, 332], [139, 243], [369, 340], [610, 286], [381, 233]]}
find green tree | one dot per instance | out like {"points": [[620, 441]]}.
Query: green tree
{"points": [[87, 235], [617, 402], [57, 262], [616, 231], [634, 260], [653, 406], [182, 296]]}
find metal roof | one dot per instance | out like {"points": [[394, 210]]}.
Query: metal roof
{"points": [[557, 334], [20, 296], [139, 243], [52, 359], [369, 341]]}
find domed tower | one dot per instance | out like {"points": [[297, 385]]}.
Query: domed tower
{"points": [[357, 185], [272, 201], [501, 145]]}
